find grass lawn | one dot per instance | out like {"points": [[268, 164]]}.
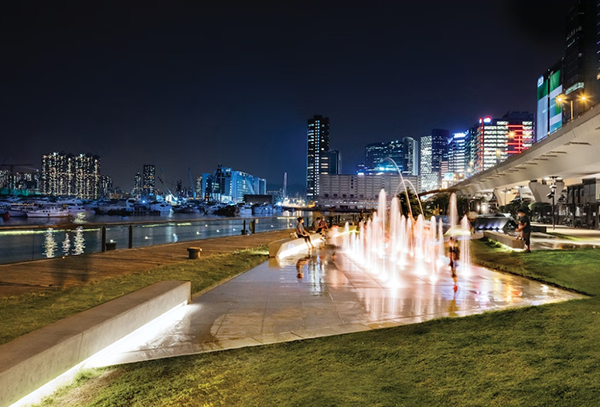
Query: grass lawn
{"points": [[534, 356], [29, 312]]}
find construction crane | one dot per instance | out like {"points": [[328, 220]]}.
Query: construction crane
{"points": [[162, 182], [192, 184]]}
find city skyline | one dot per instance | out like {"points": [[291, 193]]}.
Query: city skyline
{"points": [[182, 101]]}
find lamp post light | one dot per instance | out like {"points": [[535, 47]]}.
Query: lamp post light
{"points": [[552, 195], [561, 99]]}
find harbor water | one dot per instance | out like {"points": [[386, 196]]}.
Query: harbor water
{"points": [[24, 240]]}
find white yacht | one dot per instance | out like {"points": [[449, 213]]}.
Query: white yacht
{"points": [[264, 209], [161, 207], [48, 211], [245, 210]]}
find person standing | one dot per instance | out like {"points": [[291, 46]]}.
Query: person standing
{"points": [[301, 232], [453, 256], [525, 229]]}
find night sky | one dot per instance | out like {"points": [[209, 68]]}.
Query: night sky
{"points": [[194, 84]]}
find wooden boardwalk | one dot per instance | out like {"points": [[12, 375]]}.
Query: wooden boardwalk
{"points": [[50, 274]]}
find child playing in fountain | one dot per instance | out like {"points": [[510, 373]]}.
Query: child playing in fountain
{"points": [[453, 255]]}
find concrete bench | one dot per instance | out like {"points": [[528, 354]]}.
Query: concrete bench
{"points": [[32, 360], [506, 240], [290, 246]]}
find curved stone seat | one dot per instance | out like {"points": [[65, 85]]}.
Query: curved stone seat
{"points": [[288, 246], [32, 360], [506, 240]]}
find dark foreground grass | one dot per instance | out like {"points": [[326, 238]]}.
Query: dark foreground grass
{"points": [[535, 356], [26, 313]]}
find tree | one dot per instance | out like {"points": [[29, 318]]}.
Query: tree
{"points": [[414, 203]]}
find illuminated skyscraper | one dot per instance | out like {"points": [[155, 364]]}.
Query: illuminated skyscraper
{"points": [[457, 160], [433, 159], [429, 179], [410, 157], [148, 181], [318, 143]]}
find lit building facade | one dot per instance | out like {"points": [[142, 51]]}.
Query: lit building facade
{"points": [[457, 158], [349, 191], [433, 159], [86, 171], [105, 186], [426, 175], [70, 175], [227, 185], [318, 143], [410, 159], [149, 181], [137, 185], [581, 60], [497, 139], [549, 111], [377, 154], [331, 162]]}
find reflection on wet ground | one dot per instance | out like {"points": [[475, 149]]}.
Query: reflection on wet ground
{"points": [[307, 297]]}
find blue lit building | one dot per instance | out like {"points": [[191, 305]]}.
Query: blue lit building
{"points": [[227, 185]]}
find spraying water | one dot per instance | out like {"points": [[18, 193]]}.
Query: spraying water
{"points": [[391, 245]]}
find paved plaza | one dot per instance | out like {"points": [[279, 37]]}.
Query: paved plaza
{"points": [[274, 303]]}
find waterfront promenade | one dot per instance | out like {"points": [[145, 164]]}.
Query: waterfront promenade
{"points": [[50, 274]]}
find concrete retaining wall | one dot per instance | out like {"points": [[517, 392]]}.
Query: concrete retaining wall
{"points": [[289, 246], [507, 240], [33, 360]]}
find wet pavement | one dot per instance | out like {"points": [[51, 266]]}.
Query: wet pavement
{"points": [[308, 297]]}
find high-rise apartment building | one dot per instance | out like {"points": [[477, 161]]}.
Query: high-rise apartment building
{"points": [[70, 175], [104, 186], [86, 168], [318, 143], [149, 181]]}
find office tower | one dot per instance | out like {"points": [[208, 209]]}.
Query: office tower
{"points": [[148, 181], [497, 139], [318, 143], [457, 159], [410, 159], [549, 112], [581, 62], [433, 158], [439, 150], [331, 162], [429, 179], [377, 154]]}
